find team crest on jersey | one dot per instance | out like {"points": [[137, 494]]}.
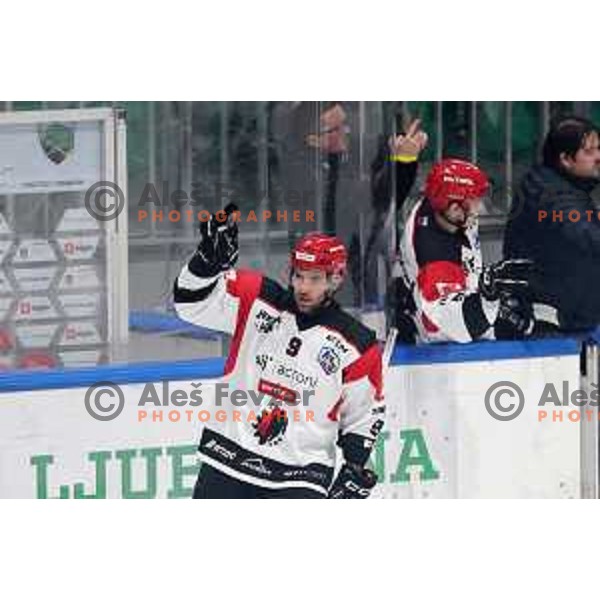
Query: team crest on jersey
{"points": [[329, 360], [265, 322], [271, 425]]}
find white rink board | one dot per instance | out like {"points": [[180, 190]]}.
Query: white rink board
{"points": [[474, 455], [439, 441], [53, 425]]}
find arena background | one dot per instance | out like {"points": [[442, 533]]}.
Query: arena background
{"points": [[97, 296], [257, 151]]}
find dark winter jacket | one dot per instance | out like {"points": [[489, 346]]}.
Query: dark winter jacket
{"points": [[554, 222]]}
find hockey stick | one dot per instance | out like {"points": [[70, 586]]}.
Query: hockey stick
{"points": [[388, 349]]}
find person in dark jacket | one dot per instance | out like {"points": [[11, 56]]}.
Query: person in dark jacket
{"points": [[555, 222]]}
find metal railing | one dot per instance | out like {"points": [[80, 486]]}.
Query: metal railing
{"points": [[589, 437]]}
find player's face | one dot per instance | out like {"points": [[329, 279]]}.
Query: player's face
{"points": [[459, 215], [310, 289], [586, 162]]}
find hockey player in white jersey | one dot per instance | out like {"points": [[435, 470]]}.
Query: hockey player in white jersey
{"points": [[455, 297], [289, 345]]}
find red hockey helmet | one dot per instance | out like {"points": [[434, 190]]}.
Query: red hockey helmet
{"points": [[321, 252], [453, 180], [37, 359]]}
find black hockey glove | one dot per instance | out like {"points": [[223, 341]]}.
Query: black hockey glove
{"points": [[507, 276], [218, 247], [352, 482], [515, 319], [400, 309]]}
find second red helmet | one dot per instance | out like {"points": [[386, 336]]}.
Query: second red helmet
{"points": [[453, 180]]}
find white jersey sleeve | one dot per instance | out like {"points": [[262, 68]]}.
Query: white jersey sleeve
{"points": [[210, 303], [362, 405]]}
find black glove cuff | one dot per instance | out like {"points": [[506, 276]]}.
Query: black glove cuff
{"points": [[352, 482], [356, 449]]}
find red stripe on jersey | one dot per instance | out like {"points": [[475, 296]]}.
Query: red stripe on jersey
{"points": [[368, 365], [244, 285], [429, 324], [334, 413], [440, 278]]}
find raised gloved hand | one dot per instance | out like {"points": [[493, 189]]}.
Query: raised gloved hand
{"points": [[218, 248], [511, 276], [515, 319], [352, 482]]}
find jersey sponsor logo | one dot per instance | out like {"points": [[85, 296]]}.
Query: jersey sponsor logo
{"points": [[218, 449], [251, 463], [286, 371], [263, 361], [329, 360], [306, 473], [266, 322], [271, 425], [336, 342], [296, 376], [278, 391], [256, 465]]}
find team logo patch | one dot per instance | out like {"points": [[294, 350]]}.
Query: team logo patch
{"points": [[271, 425], [265, 322], [57, 141], [329, 360]]}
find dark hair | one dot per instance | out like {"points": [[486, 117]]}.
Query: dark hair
{"points": [[566, 135]]}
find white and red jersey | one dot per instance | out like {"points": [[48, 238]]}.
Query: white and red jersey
{"points": [[281, 352], [443, 270]]}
